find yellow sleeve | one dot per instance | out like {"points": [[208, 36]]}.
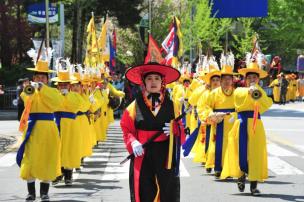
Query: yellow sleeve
{"points": [[244, 102], [273, 83], [202, 109], [73, 102], [85, 103], [51, 97], [115, 92]]}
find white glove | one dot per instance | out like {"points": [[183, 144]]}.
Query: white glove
{"points": [[182, 99], [92, 99], [137, 148], [35, 84], [252, 88], [166, 129], [64, 91]]}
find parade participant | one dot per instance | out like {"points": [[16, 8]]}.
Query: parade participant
{"points": [[219, 105], [181, 98], [300, 91], [96, 95], [199, 146], [70, 130], [275, 67], [283, 89], [154, 170], [293, 88], [82, 118], [212, 80], [247, 153], [276, 85], [39, 153], [20, 104], [86, 94]]}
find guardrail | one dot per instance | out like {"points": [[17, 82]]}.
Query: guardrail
{"points": [[8, 100]]}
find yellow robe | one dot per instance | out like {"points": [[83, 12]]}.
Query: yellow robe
{"points": [[289, 90], [217, 100], [83, 121], [41, 158], [117, 93], [276, 90], [183, 92], [257, 151], [300, 92], [293, 89], [98, 125], [203, 112], [199, 145], [104, 118], [70, 132]]}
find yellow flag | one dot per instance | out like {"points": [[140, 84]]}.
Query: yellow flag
{"points": [[103, 36], [92, 36], [180, 37]]}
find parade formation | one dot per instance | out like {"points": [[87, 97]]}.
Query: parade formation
{"points": [[170, 107]]}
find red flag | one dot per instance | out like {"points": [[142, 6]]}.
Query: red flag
{"points": [[154, 53]]}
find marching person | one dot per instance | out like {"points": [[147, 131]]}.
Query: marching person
{"points": [[212, 79], [247, 152], [39, 153], [219, 104], [70, 130], [153, 172]]}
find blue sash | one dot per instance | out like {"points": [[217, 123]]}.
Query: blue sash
{"points": [[33, 117], [60, 115], [219, 141], [80, 113], [208, 129], [243, 138], [187, 146]]}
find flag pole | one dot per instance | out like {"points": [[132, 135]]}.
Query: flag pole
{"points": [[47, 23]]}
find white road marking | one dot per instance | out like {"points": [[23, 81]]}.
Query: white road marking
{"points": [[190, 156], [183, 171], [101, 157], [115, 171], [299, 147], [280, 167], [8, 159], [285, 129], [276, 150]]}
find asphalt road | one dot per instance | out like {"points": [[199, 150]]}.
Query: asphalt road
{"points": [[103, 179]]}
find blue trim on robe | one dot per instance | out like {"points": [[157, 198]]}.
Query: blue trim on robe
{"points": [[187, 146], [243, 138], [60, 115], [33, 117], [219, 141], [208, 130]]}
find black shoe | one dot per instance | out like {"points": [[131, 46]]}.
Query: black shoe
{"points": [[57, 180], [255, 192], [45, 197], [31, 192], [30, 197], [241, 183], [68, 177], [217, 174], [208, 170], [44, 191]]}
